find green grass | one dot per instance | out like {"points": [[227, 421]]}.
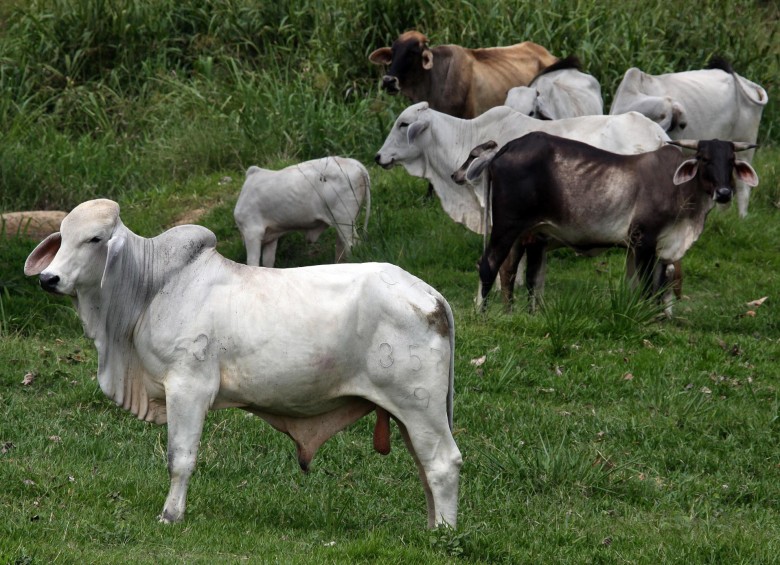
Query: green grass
{"points": [[591, 432], [643, 442]]}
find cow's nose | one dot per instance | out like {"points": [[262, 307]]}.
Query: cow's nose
{"points": [[390, 84], [377, 158], [723, 195], [48, 281]]}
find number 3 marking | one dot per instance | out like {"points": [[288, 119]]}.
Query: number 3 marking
{"points": [[386, 352]]}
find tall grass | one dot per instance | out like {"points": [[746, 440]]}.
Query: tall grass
{"points": [[142, 91]]}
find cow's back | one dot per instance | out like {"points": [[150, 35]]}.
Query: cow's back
{"points": [[498, 69], [578, 194], [302, 195], [362, 321], [714, 103]]}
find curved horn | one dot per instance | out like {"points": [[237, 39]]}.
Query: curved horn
{"points": [[686, 143], [743, 145]]}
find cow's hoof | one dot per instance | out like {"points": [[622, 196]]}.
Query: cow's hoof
{"points": [[168, 518]]}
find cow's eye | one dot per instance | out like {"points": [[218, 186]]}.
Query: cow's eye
{"points": [[95, 239], [403, 125]]}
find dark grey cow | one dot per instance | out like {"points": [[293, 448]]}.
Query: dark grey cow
{"points": [[546, 188]]}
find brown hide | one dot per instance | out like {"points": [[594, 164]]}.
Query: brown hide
{"points": [[455, 80]]}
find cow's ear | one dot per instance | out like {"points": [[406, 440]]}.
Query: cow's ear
{"points": [[382, 56], [427, 59], [115, 246], [686, 171], [745, 173], [42, 255], [478, 166], [415, 130], [542, 112]]}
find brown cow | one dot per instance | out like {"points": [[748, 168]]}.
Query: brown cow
{"points": [[455, 80]]}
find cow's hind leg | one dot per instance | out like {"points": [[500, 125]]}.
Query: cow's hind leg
{"points": [[493, 257], [269, 253], [346, 236], [253, 243], [508, 272], [438, 463]]}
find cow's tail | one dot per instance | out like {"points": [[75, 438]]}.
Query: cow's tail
{"points": [[451, 386], [486, 224], [367, 180]]}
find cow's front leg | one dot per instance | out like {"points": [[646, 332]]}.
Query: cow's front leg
{"points": [[646, 268], [186, 407], [535, 272]]}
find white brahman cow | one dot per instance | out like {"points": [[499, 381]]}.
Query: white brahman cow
{"points": [[713, 103], [181, 330], [560, 91], [310, 197], [433, 145]]}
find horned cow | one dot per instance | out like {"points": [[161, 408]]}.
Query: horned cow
{"points": [[455, 80], [712, 103], [545, 188]]}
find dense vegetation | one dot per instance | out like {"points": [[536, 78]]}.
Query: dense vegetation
{"points": [[102, 97], [590, 431]]}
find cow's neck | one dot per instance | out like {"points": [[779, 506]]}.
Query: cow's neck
{"points": [[421, 88], [451, 140], [111, 319], [87, 304], [692, 211]]}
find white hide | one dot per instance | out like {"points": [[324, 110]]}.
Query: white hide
{"points": [[701, 104], [567, 93], [433, 145], [181, 330], [309, 196]]}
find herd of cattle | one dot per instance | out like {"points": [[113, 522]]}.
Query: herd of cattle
{"points": [[515, 145]]}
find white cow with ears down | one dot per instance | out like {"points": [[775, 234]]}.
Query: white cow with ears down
{"points": [[181, 330], [309, 197], [433, 145]]}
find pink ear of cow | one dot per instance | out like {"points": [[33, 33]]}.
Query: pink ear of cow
{"points": [[382, 56], [427, 59], [686, 171], [746, 173], [42, 255]]}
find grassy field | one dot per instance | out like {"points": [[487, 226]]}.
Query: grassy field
{"points": [[590, 433]]}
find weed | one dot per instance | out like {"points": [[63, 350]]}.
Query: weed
{"points": [[566, 318]]}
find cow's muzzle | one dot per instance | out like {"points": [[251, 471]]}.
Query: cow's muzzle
{"points": [[378, 159], [723, 195], [390, 84], [49, 282]]}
